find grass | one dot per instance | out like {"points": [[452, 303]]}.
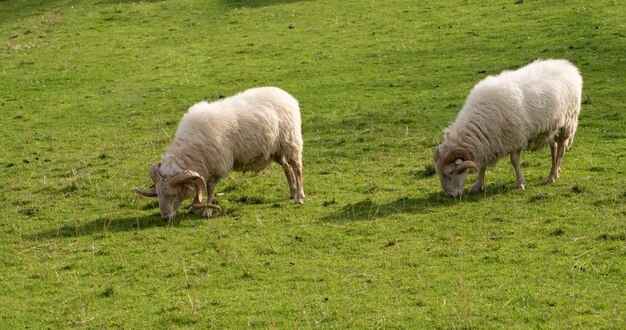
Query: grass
{"points": [[91, 93]]}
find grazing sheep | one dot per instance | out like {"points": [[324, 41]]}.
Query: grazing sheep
{"points": [[245, 132], [526, 109]]}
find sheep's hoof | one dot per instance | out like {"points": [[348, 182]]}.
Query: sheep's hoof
{"points": [[300, 199], [553, 175], [476, 188], [192, 210], [520, 186]]}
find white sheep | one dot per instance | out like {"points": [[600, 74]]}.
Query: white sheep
{"points": [[525, 109], [245, 132]]}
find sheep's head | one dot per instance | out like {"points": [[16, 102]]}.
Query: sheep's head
{"points": [[453, 164], [172, 190]]}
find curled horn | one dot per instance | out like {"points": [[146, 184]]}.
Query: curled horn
{"points": [[451, 154], [155, 175], [207, 206], [468, 164], [147, 193], [197, 180], [189, 176]]}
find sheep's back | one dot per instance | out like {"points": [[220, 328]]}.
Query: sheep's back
{"points": [[243, 132], [551, 99], [519, 110]]}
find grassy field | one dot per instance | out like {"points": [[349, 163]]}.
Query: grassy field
{"points": [[91, 93]]}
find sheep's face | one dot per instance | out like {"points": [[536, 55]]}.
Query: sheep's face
{"points": [[172, 190], [453, 164], [170, 197], [451, 181]]}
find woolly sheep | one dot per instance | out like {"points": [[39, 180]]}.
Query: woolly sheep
{"points": [[525, 109], [245, 132]]}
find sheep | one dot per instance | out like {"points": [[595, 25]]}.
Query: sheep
{"points": [[244, 132], [525, 109]]}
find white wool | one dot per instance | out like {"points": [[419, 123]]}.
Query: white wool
{"points": [[525, 109], [242, 132]]}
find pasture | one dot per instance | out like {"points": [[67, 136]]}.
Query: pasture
{"points": [[91, 92]]}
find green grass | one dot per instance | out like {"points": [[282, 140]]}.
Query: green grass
{"points": [[92, 91]]}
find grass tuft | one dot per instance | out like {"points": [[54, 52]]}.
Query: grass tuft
{"points": [[557, 232], [578, 189], [612, 237], [250, 200], [539, 197]]}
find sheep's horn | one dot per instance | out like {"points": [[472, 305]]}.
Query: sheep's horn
{"points": [[468, 164], [207, 206], [148, 193], [453, 153], [189, 176]]}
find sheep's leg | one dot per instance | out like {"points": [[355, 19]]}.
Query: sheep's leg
{"points": [[480, 181], [291, 179], [297, 167], [192, 209], [210, 189], [559, 157], [557, 150], [554, 171], [515, 160], [553, 148], [519, 178]]}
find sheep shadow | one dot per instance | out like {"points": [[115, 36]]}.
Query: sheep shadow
{"points": [[255, 3], [103, 225], [109, 2], [369, 210]]}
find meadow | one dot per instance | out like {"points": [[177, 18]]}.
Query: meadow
{"points": [[91, 92]]}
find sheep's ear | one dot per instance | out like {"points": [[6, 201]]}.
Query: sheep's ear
{"points": [[154, 172]]}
